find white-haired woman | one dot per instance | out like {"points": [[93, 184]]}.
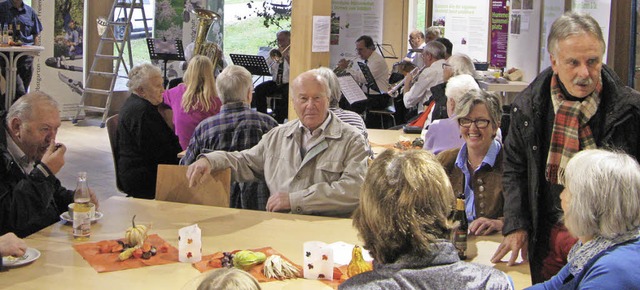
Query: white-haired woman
{"points": [[601, 204], [144, 138]]}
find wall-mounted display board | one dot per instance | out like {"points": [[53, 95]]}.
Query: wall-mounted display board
{"points": [[465, 23], [351, 19], [524, 37], [600, 10], [551, 11]]}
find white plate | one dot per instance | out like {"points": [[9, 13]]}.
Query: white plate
{"points": [[65, 217], [30, 255]]}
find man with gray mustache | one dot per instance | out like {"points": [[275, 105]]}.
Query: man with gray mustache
{"points": [[578, 103]]}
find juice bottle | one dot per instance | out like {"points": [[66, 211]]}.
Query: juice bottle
{"points": [[82, 209]]}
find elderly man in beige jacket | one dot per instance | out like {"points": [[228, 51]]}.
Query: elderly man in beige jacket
{"points": [[314, 165]]}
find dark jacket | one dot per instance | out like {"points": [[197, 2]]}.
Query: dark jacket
{"points": [[486, 184], [617, 122], [440, 107], [144, 141], [28, 203]]}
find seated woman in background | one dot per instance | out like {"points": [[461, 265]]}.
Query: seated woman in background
{"points": [[405, 220], [444, 134], [144, 138], [194, 100], [475, 170], [601, 204]]}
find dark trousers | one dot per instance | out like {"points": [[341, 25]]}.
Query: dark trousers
{"points": [[23, 75], [267, 89]]}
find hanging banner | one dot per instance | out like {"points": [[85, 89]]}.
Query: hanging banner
{"points": [[351, 19], [465, 25], [499, 32]]}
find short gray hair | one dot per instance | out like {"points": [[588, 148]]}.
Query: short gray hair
{"points": [[432, 31], [140, 74], [297, 82], [476, 97], [572, 23], [459, 85], [435, 49], [233, 83], [462, 64], [23, 107], [334, 85], [605, 193]]}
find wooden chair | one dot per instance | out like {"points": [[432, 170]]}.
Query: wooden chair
{"points": [[172, 185], [112, 130]]}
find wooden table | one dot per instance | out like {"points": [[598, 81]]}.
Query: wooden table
{"points": [[510, 87], [381, 139], [223, 229], [14, 53]]}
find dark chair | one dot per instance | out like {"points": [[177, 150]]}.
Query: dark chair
{"points": [[112, 130]]}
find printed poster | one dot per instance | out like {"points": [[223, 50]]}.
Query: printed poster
{"points": [[351, 19]]}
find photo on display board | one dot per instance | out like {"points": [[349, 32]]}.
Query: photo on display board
{"points": [[67, 46], [527, 4]]}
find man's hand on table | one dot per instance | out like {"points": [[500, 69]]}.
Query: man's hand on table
{"points": [[516, 242], [483, 226], [197, 170], [279, 202], [94, 198], [11, 245]]}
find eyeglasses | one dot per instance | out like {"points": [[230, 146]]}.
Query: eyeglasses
{"points": [[445, 65], [480, 123]]}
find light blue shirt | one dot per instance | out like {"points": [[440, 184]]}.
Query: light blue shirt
{"points": [[461, 162]]}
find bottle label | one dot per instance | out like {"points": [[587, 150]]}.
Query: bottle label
{"points": [[81, 224]]}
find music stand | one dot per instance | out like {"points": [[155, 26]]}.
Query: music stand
{"points": [[371, 81], [387, 51], [255, 64], [165, 50]]}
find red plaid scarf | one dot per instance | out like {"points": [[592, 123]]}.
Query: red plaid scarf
{"points": [[571, 133]]}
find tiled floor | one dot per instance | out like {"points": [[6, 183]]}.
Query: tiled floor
{"points": [[88, 150]]}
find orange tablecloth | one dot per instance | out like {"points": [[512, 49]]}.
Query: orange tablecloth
{"points": [[108, 262]]}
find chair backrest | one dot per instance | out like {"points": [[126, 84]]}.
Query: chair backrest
{"points": [[112, 130], [172, 185]]}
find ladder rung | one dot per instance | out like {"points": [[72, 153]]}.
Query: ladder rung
{"points": [[96, 91], [119, 23], [127, 5], [107, 56], [92, 108], [103, 73], [111, 39]]}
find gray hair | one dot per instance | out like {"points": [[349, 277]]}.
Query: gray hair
{"points": [[459, 85], [435, 49], [23, 107], [432, 31], [476, 97], [572, 23], [233, 83], [334, 85], [297, 82], [228, 278], [462, 64], [605, 193], [140, 74]]}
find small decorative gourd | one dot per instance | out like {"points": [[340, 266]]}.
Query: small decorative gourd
{"points": [[135, 235], [358, 264]]}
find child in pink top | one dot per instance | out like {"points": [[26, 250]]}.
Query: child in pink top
{"points": [[194, 100]]}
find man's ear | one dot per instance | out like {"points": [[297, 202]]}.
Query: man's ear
{"points": [[14, 126], [554, 63], [250, 96]]}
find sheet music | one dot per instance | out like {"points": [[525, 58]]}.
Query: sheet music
{"points": [[350, 89]]}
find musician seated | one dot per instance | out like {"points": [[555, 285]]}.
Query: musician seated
{"points": [[279, 84], [377, 99], [417, 92], [416, 40]]}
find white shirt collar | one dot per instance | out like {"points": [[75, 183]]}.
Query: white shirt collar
{"points": [[18, 155]]}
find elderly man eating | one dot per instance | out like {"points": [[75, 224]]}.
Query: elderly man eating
{"points": [[313, 165]]}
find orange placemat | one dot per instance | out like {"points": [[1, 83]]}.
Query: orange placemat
{"points": [[108, 262]]}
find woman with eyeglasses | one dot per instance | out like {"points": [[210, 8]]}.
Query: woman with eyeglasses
{"points": [[475, 170]]}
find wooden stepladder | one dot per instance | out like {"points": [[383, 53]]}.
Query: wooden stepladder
{"points": [[100, 81]]}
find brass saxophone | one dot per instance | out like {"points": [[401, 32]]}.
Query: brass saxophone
{"points": [[202, 46]]}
